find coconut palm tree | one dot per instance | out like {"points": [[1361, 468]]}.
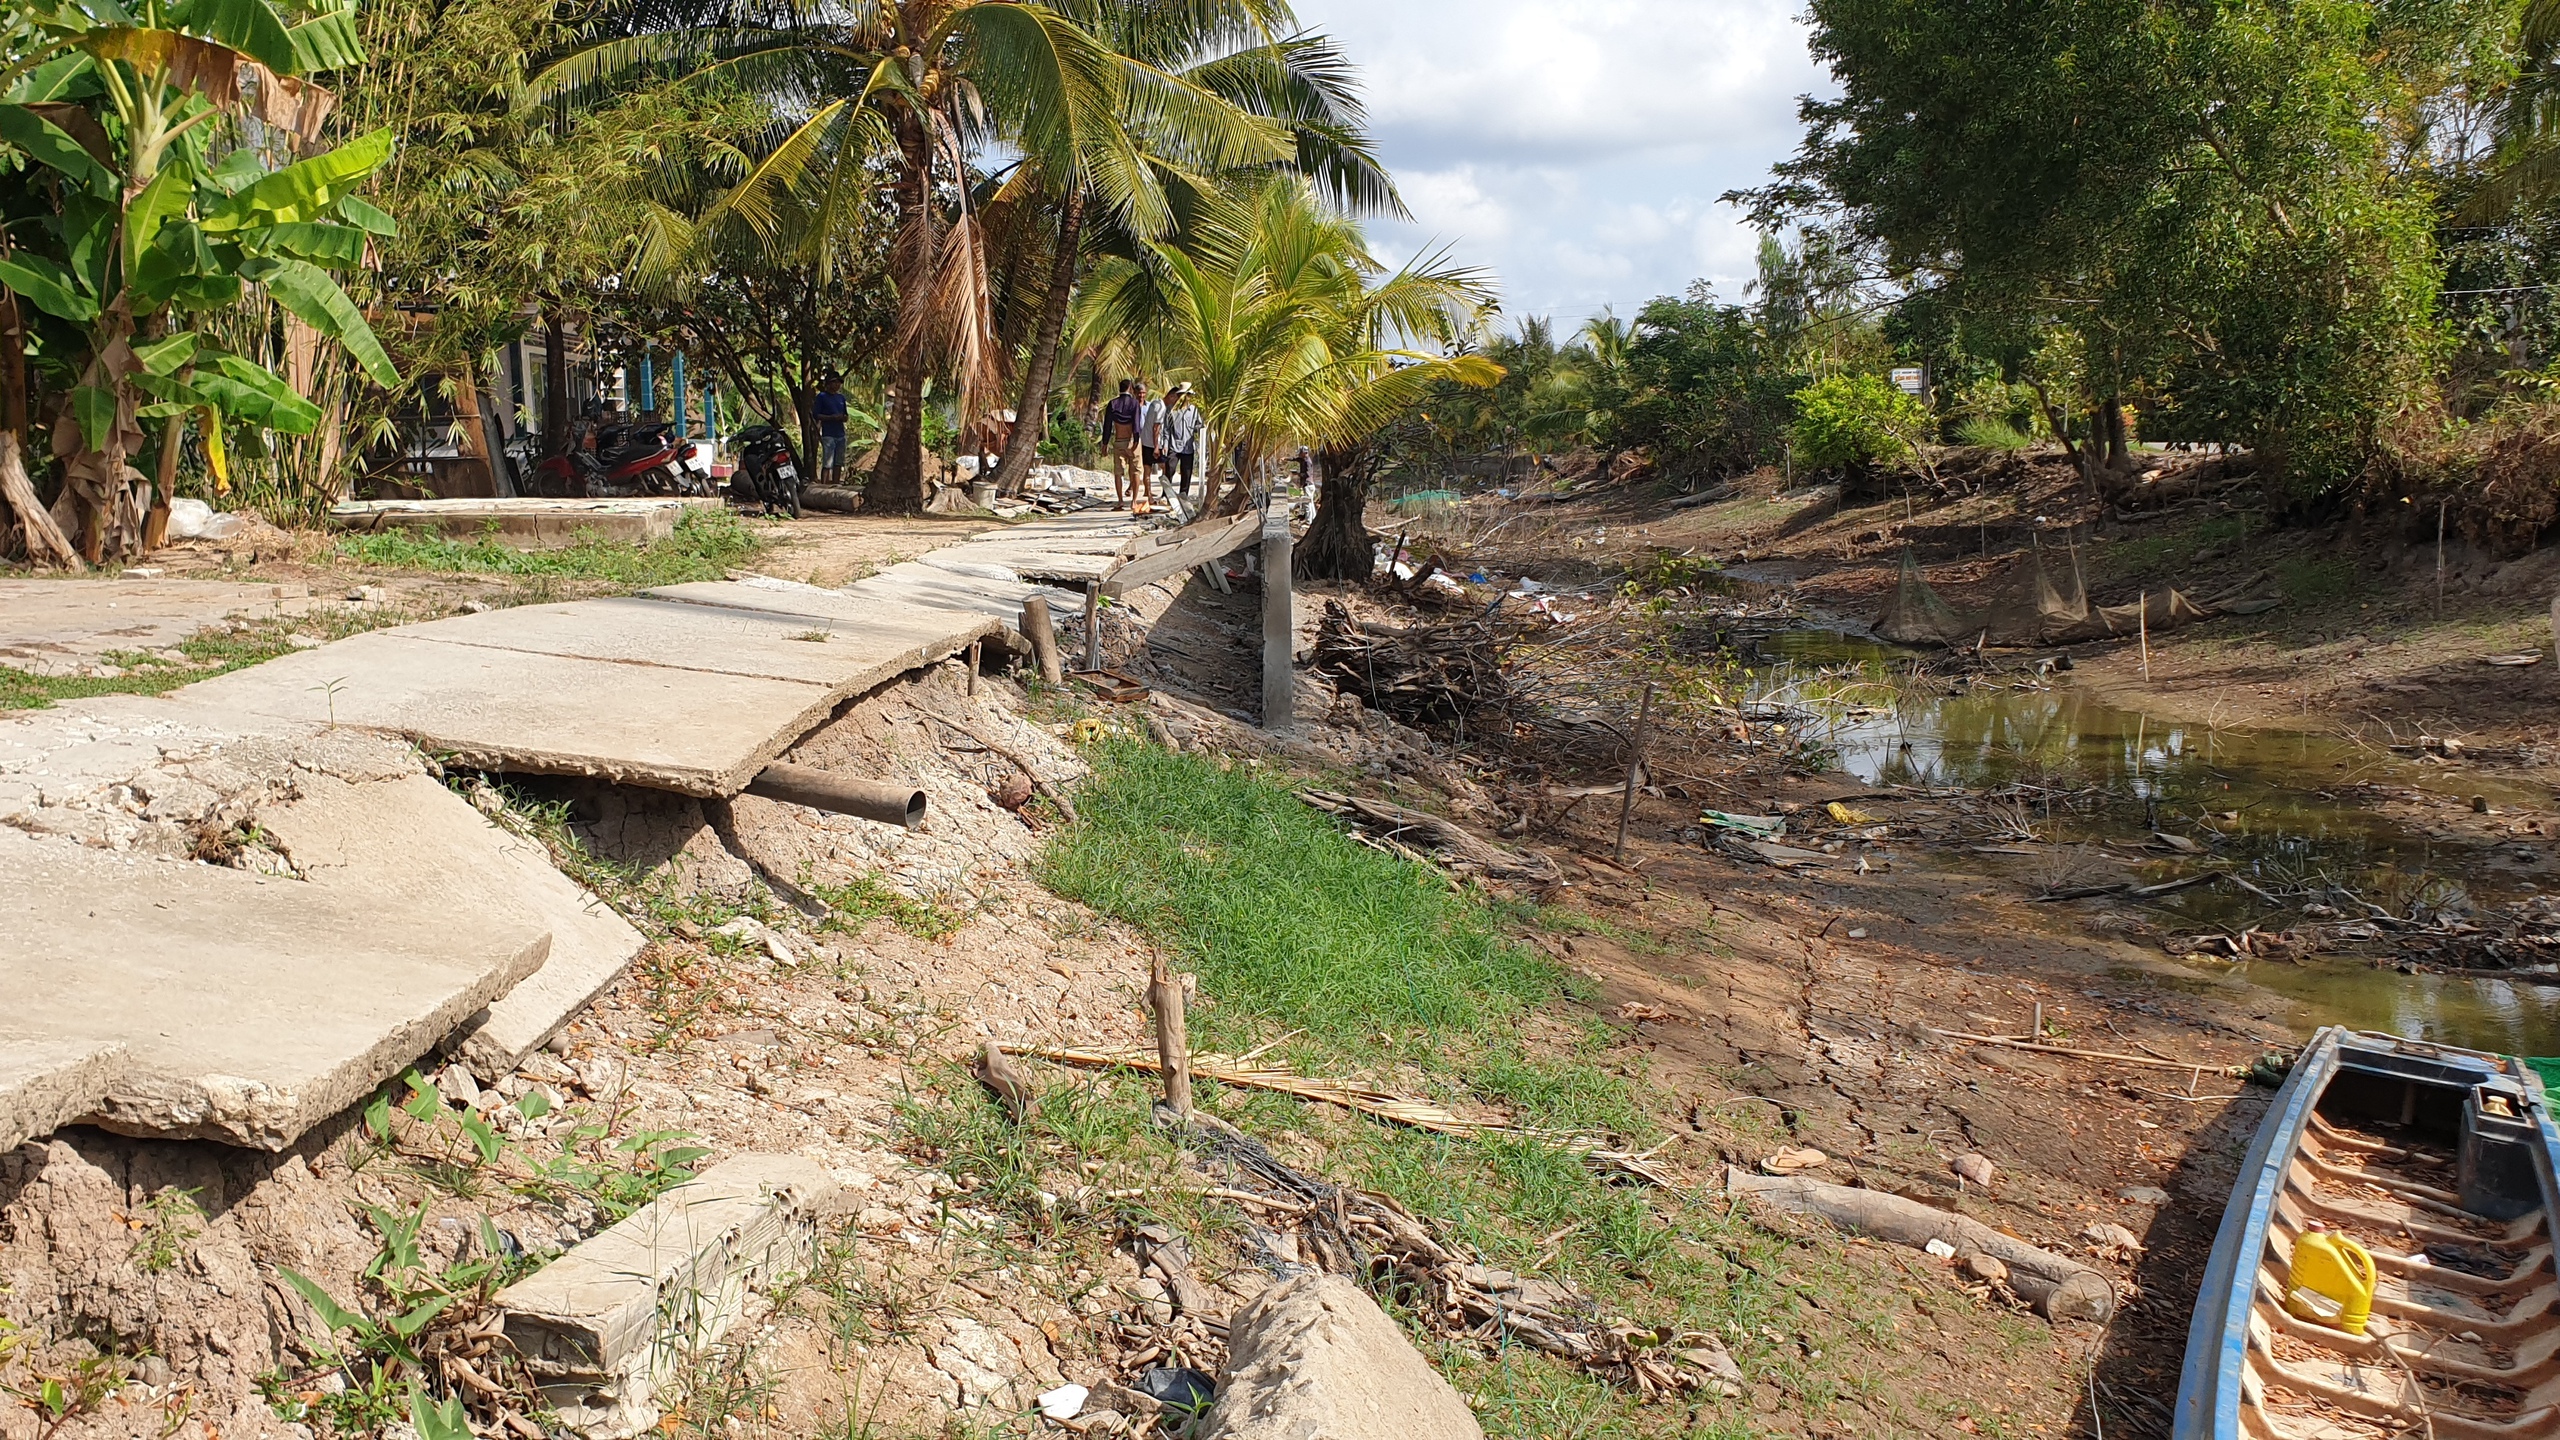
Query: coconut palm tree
{"points": [[1294, 334], [938, 82], [1302, 82]]}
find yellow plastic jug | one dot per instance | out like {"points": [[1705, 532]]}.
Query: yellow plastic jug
{"points": [[2331, 1282]]}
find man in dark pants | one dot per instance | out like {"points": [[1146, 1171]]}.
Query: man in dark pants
{"points": [[829, 408], [1120, 435], [1181, 442]]}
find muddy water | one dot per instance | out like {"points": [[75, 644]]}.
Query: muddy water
{"points": [[2284, 809]]}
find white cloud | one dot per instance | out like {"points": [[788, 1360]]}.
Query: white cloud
{"points": [[1577, 147]]}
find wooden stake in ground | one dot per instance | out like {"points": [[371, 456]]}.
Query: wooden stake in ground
{"points": [[2440, 508], [1092, 625], [2143, 619], [1044, 640], [1173, 1040], [1635, 770], [974, 658]]}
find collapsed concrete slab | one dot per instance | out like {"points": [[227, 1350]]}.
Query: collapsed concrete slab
{"points": [[607, 1326], [687, 692], [47, 1084], [270, 918], [336, 836], [1315, 1356], [252, 1006]]}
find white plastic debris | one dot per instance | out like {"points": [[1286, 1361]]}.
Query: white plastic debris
{"points": [[1064, 1402], [1941, 1249], [188, 517]]}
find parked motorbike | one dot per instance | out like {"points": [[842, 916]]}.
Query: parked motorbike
{"points": [[618, 460], [768, 472]]}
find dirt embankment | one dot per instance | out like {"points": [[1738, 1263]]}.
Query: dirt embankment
{"points": [[2368, 632]]}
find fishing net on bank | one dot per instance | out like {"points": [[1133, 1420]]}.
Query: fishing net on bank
{"points": [[1915, 615]]}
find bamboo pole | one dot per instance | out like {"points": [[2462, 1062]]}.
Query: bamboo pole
{"points": [[1173, 1039], [2143, 619]]}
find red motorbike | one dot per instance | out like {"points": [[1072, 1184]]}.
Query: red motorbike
{"points": [[616, 461]]}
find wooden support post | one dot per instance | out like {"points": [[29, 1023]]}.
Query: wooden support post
{"points": [[2035, 1025], [1173, 1040], [2142, 618], [1635, 770], [1279, 623], [1044, 640], [975, 657], [1092, 625]]}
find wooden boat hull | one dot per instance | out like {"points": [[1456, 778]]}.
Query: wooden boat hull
{"points": [[2445, 1165]]}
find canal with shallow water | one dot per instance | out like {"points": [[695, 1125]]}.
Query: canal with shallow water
{"points": [[2284, 809]]}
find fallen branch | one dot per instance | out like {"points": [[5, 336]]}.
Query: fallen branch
{"points": [[2083, 1054], [1352, 1095], [1371, 1239], [2060, 1288], [1057, 797], [1461, 847]]}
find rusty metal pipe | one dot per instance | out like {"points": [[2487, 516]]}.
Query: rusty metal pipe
{"points": [[888, 802]]}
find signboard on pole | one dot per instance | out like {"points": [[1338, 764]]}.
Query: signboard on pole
{"points": [[1910, 379]]}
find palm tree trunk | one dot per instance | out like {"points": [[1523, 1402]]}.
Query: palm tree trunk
{"points": [[1031, 416], [897, 483], [1337, 546]]}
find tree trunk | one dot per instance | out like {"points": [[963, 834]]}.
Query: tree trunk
{"points": [[555, 384], [46, 546], [1031, 416], [897, 481], [1337, 545], [2060, 1287], [2111, 415]]}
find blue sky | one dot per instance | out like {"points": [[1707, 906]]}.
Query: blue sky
{"points": [[1577, 147]]}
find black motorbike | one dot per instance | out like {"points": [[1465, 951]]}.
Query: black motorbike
{"points": [[768, 472]]}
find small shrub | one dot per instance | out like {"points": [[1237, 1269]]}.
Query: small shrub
{"points": [[1856, 421], [1991, 435]]}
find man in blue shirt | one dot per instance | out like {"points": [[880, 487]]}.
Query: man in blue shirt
{"points": [[830, 408]]}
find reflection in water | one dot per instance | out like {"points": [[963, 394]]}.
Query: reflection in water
{"points": [[2277, 806]]}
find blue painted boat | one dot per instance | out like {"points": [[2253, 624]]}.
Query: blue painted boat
{"points": [[2444, 1164]]}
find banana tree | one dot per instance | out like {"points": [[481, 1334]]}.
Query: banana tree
{"points": [[152, 219]]}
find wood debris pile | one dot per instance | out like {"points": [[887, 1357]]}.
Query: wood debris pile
{"points": [[1371, 1239], [1406, 834], [1441, 674]]}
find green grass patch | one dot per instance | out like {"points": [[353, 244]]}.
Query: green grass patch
{"points": [[2316, 579], [1289, 925], [706, 544]]}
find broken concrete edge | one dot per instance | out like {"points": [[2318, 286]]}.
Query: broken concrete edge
{"points": [[605, 1327], [47, 1084], [1314, 1356]]}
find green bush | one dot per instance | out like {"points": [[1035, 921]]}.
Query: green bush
{"points": [[1854, 421]]}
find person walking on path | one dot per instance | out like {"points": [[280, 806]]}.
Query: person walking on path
{"points": [[1120, 435], [1151, 441], [829, 408], [1181, 440]]}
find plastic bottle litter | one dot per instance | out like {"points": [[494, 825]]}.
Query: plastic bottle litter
{"points": [[2331, 1282]]}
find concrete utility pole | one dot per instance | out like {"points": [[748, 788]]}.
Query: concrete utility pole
{"points": [[1279, 621]]}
